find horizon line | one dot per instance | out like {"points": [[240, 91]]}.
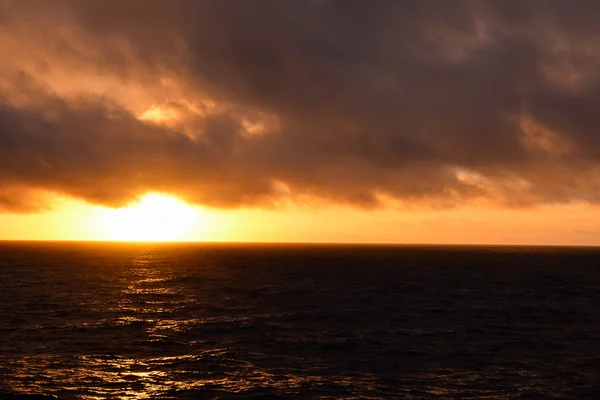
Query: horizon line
{"points": [[298, 243]]}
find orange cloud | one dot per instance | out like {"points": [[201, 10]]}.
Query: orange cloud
{"points": [[410, 104]]}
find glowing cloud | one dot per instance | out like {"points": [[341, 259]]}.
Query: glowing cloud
{"points": [[421, 102]]}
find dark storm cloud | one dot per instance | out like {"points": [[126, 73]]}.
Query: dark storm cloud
{"points": [[422, 101]]}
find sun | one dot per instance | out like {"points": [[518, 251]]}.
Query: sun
{"points": [[154, 218]]}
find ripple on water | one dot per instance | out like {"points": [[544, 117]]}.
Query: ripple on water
{"points": [[195, 322]]}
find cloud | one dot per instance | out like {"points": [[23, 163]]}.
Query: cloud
{"points": [[260, 103]]}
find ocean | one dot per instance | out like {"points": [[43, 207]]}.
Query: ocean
{"points": [[216, 321]]}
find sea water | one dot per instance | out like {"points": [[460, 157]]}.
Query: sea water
{"points": [[209, 321]]}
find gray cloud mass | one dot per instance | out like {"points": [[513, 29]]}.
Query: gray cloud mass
{"points": [[423, 102]]}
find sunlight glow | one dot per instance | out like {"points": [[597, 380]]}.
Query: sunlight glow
{"points": [[159, 114], [155, 217]]}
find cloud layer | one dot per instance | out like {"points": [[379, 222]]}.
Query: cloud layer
{"points": [[259, 103]]}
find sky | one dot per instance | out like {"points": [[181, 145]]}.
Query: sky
{"points": [[320, 121]]}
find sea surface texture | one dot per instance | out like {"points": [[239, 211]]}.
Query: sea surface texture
{"points": [[95, 321]]}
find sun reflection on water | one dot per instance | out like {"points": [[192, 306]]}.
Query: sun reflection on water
{"points": [[153, 321], [156, 341], [148, 298]]}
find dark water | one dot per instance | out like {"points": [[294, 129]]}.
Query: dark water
{"points": [[299, 322]]}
